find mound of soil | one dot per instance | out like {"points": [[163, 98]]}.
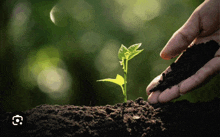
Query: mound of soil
{"points": [[132, 119], [187, 64]]}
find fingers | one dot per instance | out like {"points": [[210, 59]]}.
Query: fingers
{"points": [[217, 54], [155, 80], [211, 68], [202, 26], [203, 22], [182, 38], [209, 17], [214, 36], [169, 94], [153, 97], [165, 96], [153, 83], [208, 70]]}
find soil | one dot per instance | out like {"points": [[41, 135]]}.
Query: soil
{"points": [[132, 119], [187, 64]]}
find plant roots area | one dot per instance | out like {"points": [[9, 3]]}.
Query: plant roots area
{"points": [[132, 119]]}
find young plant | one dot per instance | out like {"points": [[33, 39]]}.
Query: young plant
{"points": [[124, 55]]}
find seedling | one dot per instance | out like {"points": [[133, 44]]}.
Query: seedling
{"points": [[124, 55]]}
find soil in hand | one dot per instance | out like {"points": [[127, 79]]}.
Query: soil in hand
{"points": [[187, 64]]}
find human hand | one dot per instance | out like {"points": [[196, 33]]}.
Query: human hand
{"points": [[202, 26]]}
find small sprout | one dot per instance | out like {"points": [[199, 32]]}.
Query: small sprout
{"points": [[124, 55]]}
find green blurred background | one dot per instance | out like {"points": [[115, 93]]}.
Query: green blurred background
{"points": [[52, 52]]}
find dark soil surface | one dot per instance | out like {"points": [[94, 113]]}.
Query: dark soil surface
{"points": [[132, 119], [188, 64]]}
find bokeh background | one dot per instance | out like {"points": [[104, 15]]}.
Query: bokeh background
{"points": [[53, 51]]}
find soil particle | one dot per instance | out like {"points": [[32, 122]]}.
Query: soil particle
{"points": [[132, 119], [187, 64]]}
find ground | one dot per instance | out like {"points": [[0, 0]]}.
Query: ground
{"points": [[132, 119]]}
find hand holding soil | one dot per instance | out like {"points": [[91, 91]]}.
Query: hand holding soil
{"points": [[201, 27]]}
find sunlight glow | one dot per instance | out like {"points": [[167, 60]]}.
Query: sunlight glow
{"points": [[45, 69], [136, 12], [146, 9], [54, 80]]}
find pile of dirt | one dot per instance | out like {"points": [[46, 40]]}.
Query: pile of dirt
{"points": [[132, 119], [187, 64]]}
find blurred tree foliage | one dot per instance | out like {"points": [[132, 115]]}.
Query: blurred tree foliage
{"points": [[52, 52]]}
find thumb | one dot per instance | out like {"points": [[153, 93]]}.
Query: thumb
{"points": [[182, 38]]}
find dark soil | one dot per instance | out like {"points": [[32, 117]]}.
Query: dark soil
{"points": [[132, 119], [188, 64]]}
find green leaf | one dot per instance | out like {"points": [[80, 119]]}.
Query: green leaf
{"points": [[134, 47], [122, 51], [119, 80], [127, 54], [133, 54]]}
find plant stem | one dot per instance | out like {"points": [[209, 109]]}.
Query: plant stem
{"points": [[125, 80]]}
